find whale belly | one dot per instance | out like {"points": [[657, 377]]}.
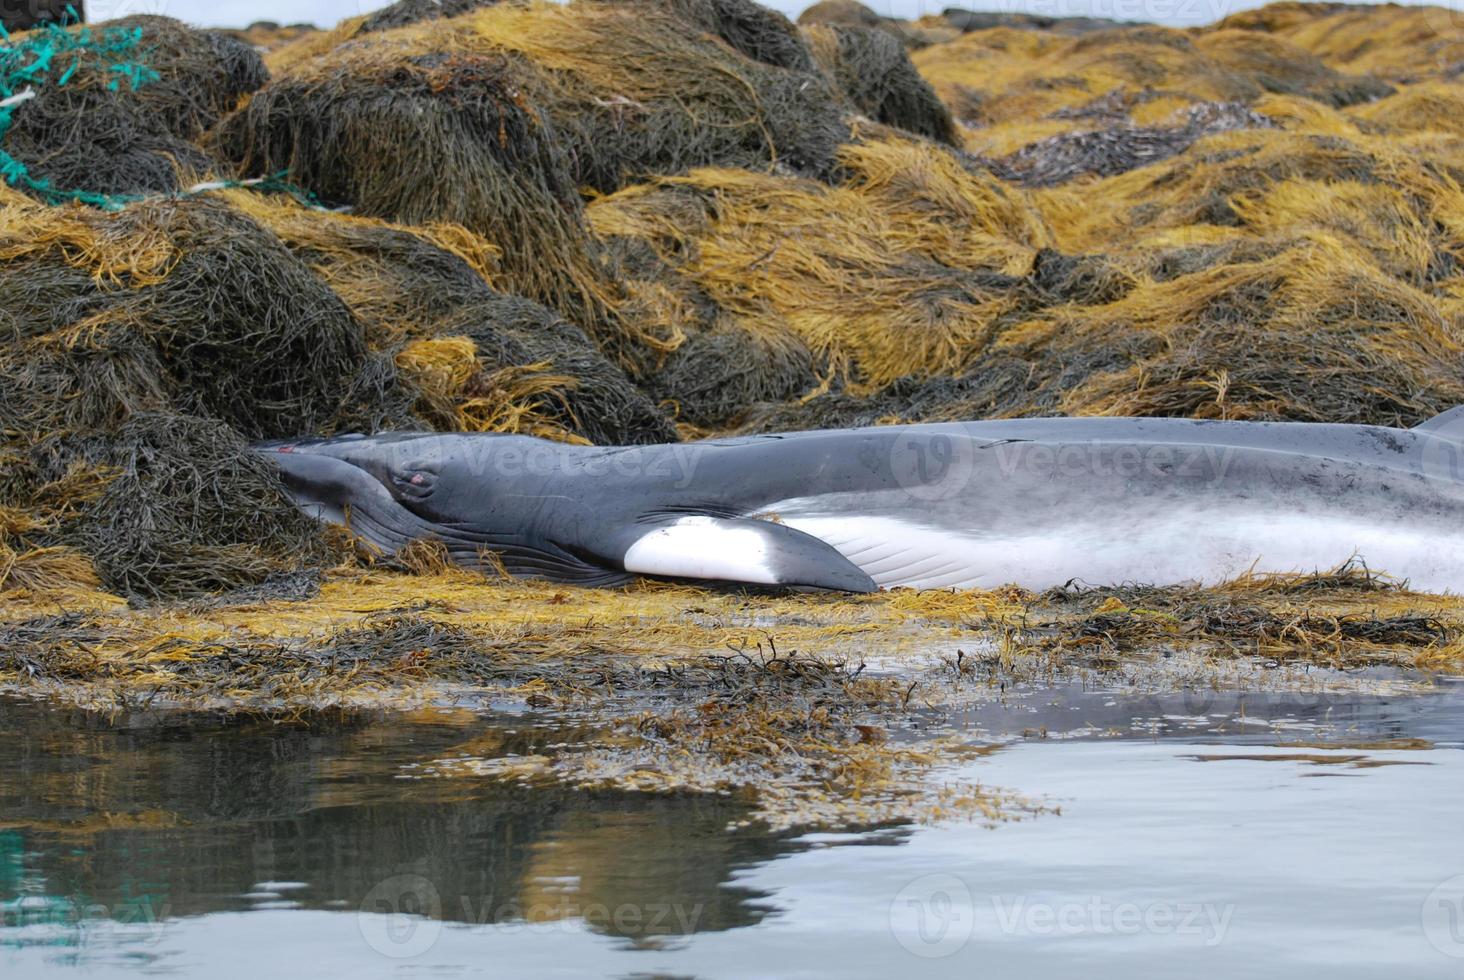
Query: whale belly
{"points": [[1178, 547]]}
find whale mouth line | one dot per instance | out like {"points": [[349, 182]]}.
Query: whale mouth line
{"points": [[335, 490]]}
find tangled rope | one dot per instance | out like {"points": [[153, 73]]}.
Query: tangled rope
{"points": [[50, 55]]}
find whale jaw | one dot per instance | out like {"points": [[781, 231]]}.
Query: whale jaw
{"points": [[332, 490]]}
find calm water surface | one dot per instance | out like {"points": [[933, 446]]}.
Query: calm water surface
{"points": [[1274, 835]]}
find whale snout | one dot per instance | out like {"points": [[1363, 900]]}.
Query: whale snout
{"points": [[331, 488]]}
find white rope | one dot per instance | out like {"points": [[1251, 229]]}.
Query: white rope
{"points": [[218, 185], [18, 98]]}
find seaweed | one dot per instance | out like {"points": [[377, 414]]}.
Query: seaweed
{"points": [[1252, 615], [184, 305], [122, 106], [187, 509], [421, 293], [759, 32], [875, 74], [621, 222], [360, 125]]}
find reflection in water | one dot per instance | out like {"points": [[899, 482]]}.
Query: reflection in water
{"points": [[1076, 710], [147, 817], [229, 848]]}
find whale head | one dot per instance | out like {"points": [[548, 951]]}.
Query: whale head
{"points": [[393, 488]]}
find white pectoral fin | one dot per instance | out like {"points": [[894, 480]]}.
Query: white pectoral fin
{"points": [[730, 549]]}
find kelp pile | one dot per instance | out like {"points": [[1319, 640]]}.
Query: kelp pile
{"points": [[632, 222], [1211, 223], [118, 109], [872, 71]]}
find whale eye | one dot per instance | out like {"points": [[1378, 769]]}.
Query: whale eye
{"points": [[413, 480]]}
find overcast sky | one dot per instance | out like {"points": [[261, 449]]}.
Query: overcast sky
{"points": [[323, 13]]}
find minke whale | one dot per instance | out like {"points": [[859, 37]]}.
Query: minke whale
{"points": [[1031, 502]]}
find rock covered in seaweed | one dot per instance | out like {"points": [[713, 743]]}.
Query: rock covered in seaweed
{"points": [[170, 305], [873, 71]]}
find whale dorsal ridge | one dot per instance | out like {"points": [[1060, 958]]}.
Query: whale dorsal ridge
{"points": [[1448, 424]]}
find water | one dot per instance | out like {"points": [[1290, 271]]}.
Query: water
{"points": [[1270, 835]]}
